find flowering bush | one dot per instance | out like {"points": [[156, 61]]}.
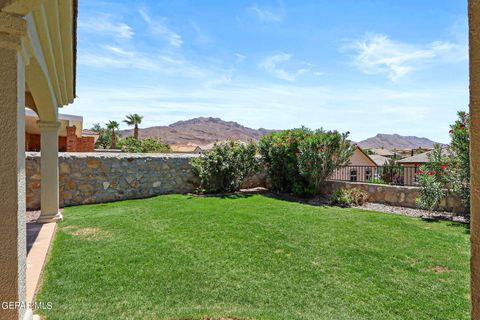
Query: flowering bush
{"points": [[300, 160], [225, 167], [448, 172], [434, 179]]}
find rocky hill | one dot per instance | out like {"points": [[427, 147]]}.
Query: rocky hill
{"points": [[200, 131], [395, 141]]}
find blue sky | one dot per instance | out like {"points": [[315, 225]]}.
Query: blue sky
{"points": [[364, 66]]}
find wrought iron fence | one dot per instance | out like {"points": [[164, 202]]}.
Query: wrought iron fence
{"points": [[392, 175]]}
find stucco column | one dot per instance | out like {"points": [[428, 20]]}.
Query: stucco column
{"points": [[474, 27], [12, 172], [49, 172]]}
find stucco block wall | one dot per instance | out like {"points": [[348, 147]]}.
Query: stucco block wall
{"points": [[393, 195], [103, 177]]}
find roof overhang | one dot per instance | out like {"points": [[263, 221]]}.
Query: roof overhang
{"points": [[49, 51]]}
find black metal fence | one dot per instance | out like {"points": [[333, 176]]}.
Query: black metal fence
{"points": [[392, 175]]}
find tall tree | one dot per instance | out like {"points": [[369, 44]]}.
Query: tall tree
{"points": [[134, 120], [112, 125], [460, 146], [104, 138]]}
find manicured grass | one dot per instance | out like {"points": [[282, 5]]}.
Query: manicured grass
{"points": [[253, 257]]}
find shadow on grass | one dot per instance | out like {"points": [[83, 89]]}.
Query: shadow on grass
{"points": [[465, 226], [318, 201], [246, 193], [227, 196]]}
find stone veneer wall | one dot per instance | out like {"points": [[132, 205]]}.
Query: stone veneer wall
{"points": [[104, 177], [394, 195]]}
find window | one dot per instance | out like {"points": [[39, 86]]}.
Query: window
{"points": [[353, 174], [368, 174]]}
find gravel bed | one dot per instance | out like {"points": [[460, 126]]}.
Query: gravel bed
{"points": [[414, 212]]}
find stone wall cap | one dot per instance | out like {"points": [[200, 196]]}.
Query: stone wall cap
{"points": [[116, 155], [358, 183]]}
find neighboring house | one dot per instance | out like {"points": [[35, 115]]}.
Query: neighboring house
{"points": [[71, 136], [404, 153], [360, 169], [90, 133], [379, 160], [186, 148], [382, 152], [411, 164]]}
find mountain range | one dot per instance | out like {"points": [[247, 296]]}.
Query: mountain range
{"points": [[204, 130], [395, 141], [200, 131]]}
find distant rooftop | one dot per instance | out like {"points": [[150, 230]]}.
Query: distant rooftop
{"points": [[185, 148], [422, 157], [379, 160], [382, 152]]}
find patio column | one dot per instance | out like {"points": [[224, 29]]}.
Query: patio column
{"points": [[474, 31], [12, 170], [49, 172]]}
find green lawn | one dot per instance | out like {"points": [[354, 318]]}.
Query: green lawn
{"points": [[253, 257]]}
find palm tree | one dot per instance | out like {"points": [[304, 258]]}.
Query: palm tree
{"points": [[134, 120], [112, 125]]}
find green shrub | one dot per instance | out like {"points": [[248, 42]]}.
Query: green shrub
{"points": [[341, 198], [320, 153], [224, 168], [148, 145], [279, 155], [376, 180], [154, 145], [348, 197], [299, 160], [130, 145], [104, 140]]}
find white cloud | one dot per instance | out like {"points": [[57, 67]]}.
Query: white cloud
{"points": [[278, 63], [105, 24], [239, 58], [421, 111], [378, 54], [158, 27], [265, 14], [110, 56], [201, 38]]}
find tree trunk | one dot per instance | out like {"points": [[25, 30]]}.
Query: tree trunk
{"points": [[114, 140], [135, 131]]}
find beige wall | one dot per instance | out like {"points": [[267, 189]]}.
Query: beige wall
{"points": [[360, 159], [12, 177], [31, 124], [409, 173], [363, 171], [474, 25]]}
